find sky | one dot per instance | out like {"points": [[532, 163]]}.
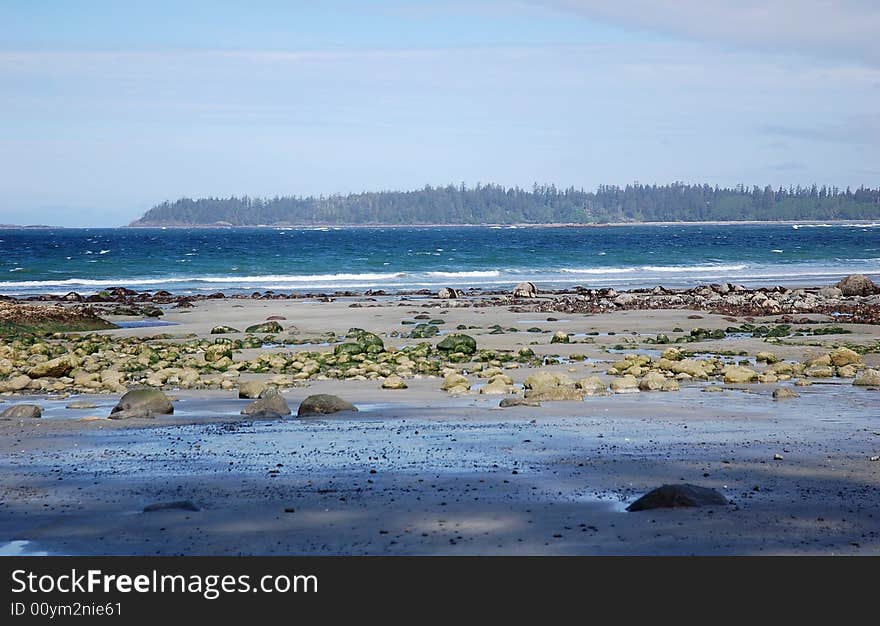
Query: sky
{"points": [[107, 108]]}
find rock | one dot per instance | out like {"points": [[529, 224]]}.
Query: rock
{"points": [[830, 292], [251, 389], [691, 367], [844, 356], [781, 368], [424, 331], [783, 393], [21, 410], [847, 371], [525, 290], [497, 386], [739, 374], [142, 403], [559, 337], [674, 496], [16, 383], [266, 327], [323, 404], [224, 330], [767, 357], [868, 378], [819, 371], [593, 386], [555, 394], [509, 402], [180, 505], [393, 382], [216, 351], [857, 285], [821, 360], [447, 293], [653, 381], [369, 342], [53, 368], [458, 342], [455, 380], [670, 385], [625, 384], [270, 404], [82, 404], [542, 380]]}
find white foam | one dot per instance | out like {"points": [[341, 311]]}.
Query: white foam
{"points": [[473, 274]]}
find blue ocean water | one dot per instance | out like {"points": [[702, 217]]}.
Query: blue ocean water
{"points": [[326, 259]]}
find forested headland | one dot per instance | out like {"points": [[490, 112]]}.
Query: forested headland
{"points": [[542, 204]]}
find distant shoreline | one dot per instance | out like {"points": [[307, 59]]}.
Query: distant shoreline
{"points": [[501, 226], [515, 225]]}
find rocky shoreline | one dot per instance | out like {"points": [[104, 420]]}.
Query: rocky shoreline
{"points": [[500, 423]]}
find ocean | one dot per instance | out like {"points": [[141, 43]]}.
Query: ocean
{"points": [[191, 261]]}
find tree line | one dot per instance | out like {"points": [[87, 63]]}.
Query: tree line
{"points": [[542, 204]]}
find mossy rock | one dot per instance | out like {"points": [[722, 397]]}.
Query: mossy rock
{"points": [[224, 330], [458, 342], [266, 327], [424, 331], [348, 349]]}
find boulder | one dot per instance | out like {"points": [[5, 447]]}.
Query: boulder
{"points": [[857, 285], [847, 371], [767, 357], [625, 384], [16, 383], [670, 385], [674, 496], [653, 381], [270, 404], [53, 368], [555, 394], [21, 410], [525, 290], [458, 342], [541, 380], [691, 367], [251, 389], [142, 402], [497, 386], [510, 402], [266, 327], [560, 337], [844, 356], [819, 371], [224, 330], [217, 351], [783, 393], [455, 380], [447, 293], [323, 404], [393, 382], [739, 374], [868, 378], [593, 386]]}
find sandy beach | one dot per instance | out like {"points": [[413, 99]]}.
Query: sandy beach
{"points": [[419, 470]]}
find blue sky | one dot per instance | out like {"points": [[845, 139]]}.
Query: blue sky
{"points": [[107, 108]]}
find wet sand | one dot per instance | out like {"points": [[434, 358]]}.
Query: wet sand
{"points": [[417, 471]]}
